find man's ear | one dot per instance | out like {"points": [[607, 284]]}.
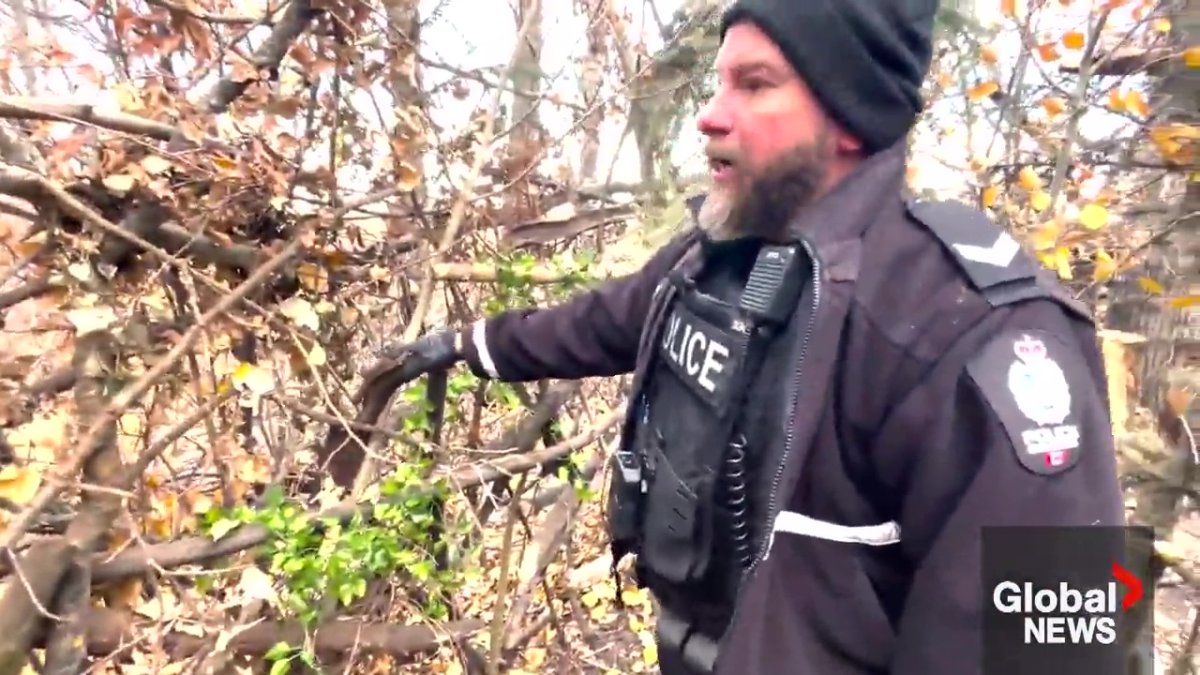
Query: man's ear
{"points": [[847, 144]]}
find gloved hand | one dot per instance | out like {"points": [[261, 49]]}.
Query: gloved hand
{"points": [[436, 351]]}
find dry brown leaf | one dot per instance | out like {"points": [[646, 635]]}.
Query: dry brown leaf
{"points": [[1178, 400], [982, 90]]}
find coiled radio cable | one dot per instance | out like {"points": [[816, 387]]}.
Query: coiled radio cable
{"points": [[737, 501]]}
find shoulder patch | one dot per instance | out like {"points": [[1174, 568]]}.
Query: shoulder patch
{"points": [[1022, 375], [987, 254]]}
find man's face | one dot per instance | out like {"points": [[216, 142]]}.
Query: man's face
{"points": [[770, 145]]}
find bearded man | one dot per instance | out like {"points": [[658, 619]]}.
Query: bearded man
{"points": [[820, 423]]}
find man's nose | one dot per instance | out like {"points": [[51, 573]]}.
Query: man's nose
{"points": [[714, 118]]}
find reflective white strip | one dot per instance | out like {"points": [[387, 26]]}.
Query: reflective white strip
{"points": [[479, 339], [871, 535]]}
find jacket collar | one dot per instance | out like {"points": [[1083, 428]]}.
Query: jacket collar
{"points": [[846, 211]]}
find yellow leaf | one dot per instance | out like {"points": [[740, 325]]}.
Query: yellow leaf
{"points": [[1172, 139], [635, 596], [1048, 52], [250, 377], [1062, 260], [1008, 8], [1105, 266], [19, 484], [1185, 301], [599, 613], [1045, 238], [1053, 105], [1093, 216], [1116, 100], [988, 198], [988, 54], [650, 654], [1162, 25], [982, 90], [1039, 200], [127, 97], [1151, 286], [225, 164], [1191, 57], [1074, 40], [1136, 104], [1029, 179]]}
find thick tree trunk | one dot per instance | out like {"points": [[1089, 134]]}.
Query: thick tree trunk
{"points": [[1172, 352]]}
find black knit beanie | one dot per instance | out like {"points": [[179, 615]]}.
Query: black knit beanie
{"points": [[863, 59]]}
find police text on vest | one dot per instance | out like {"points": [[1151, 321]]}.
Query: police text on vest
{"points": [[697, 352]]}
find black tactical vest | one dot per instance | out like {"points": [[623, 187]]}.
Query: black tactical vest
{"points": [[704, 405]]}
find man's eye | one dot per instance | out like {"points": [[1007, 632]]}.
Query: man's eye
{"points": [[754, 85]]}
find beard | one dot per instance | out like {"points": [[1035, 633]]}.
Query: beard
{"points": [[763, 204]]}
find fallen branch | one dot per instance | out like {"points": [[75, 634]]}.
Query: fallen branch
{"points": [[107, 630], [20, 107], [27, 291], [548, 230], [194, 550]]}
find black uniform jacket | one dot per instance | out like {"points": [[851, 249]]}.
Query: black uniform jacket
{"points": [[906, 429]]}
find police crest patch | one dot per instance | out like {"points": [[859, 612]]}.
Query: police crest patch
{"points": [[1021, 377]]}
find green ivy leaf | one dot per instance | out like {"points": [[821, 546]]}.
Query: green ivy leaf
{"points": [[223, 527], [279, 650]]}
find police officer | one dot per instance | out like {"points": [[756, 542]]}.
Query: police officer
{"points": [[834, 387]]}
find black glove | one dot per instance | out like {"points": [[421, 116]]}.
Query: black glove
{"points": [[436, 351]]}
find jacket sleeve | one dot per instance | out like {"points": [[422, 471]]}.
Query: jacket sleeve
{"points": [[1009, 429], [595, 334]]}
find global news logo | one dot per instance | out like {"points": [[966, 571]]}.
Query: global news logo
{"points": [[1069, 615]]}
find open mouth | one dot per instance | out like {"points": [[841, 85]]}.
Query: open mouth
{"points": [[722, 169]]}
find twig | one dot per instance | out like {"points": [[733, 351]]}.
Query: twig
{"points": [[1072, 131], [496, 643]]}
